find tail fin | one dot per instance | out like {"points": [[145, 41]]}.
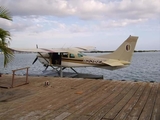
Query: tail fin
{"points": [[125, 51]]}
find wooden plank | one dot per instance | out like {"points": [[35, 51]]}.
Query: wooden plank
{"points": [[19, 98], [51, 102], [131, 103], [62, 116], [96, 99], [67, 95], [110, 104], [9, 101], [15, 93], [148, 108], [156, 109], [117, 108], [83, 100], [38, 100], [136, 111], [97, 104], [110, 96], [5, 82]]}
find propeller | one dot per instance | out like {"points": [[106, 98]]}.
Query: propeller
{"points": [[46, 67], [36, 57], [35, 60]]}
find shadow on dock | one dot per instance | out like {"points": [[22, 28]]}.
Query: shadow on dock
{"points": [[68, 74]]}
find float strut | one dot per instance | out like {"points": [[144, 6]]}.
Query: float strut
{"points": [[74, 70], [61, 72]]}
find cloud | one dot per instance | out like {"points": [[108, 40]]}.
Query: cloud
{"points": [[36, 7], [33, 15], [19, 25], [85, 9], [120, 23], [85, 20]]}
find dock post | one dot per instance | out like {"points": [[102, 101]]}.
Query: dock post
{"points": [[13, 78], [27, 75]]}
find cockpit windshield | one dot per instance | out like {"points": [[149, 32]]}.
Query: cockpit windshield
{"points": [[81, 55]]}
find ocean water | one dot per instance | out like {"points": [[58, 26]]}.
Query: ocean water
{"points": [[144, 67]]}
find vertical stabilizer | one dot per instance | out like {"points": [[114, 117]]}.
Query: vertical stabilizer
{"points": [[125, 51]]}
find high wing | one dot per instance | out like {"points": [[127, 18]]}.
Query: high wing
{"points": [[85, 48], [41, 50], [113, 63], [54, 50]]}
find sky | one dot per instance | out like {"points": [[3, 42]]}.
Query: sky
{"points": [[104, 24]]}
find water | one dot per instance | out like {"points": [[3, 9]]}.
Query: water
{"points": [[144, 67]]}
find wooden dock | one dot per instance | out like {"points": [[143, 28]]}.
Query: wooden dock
{"points": [[79, 99]]}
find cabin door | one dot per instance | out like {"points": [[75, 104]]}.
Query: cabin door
{"points": [[56, 58]]}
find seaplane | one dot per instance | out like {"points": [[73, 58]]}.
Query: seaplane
{"points": [[62, 58]]}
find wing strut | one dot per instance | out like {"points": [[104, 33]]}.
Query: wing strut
{"points": [[43, 57], [61, 71]]}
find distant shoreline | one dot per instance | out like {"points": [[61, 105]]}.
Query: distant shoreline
{"points": [[98, 51], [113, 51]]}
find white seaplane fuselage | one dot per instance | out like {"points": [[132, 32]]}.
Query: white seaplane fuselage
{"points": [[72, 57], [77, 59]]}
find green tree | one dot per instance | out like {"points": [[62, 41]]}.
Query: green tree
{"points": [[5, 37]]}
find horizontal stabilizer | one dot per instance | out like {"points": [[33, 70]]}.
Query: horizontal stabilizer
{"points": [[113, 63]]}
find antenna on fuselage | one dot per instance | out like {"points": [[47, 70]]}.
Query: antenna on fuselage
{"points": [[71, 45], [63, 45]]}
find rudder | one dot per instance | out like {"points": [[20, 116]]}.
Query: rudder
{"points": [[125, 50]]}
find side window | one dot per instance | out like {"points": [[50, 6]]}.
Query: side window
{"points": [[71, 56], [65, 55]]}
